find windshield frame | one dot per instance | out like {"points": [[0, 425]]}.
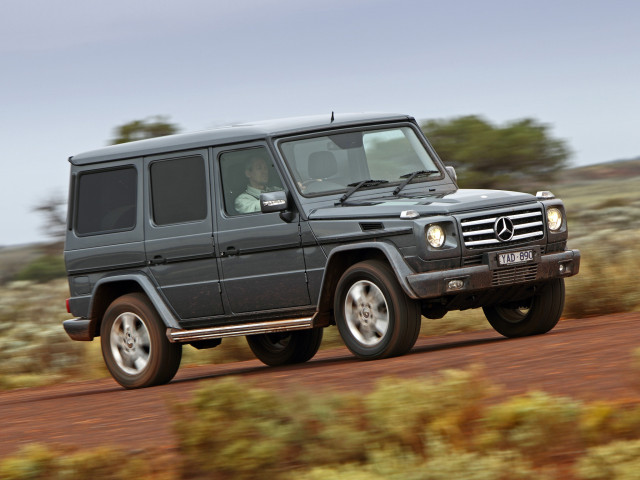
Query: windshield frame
{"points": [[341, 189]]}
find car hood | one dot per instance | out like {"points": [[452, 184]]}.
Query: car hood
{"points": [[460, 201]]}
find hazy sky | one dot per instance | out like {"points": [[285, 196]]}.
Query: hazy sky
{"points": [[72, 70]]}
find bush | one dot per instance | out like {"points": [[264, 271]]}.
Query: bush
{"points": [[257, 434], [39, 462], [446, 463], [250, 431], [606, 283], [43, 269], [404, 411], [32, 340], [603, 422], [536, 424], [616, 461]]}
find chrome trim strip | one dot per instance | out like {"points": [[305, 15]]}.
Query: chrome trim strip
{"points": [[495, 241], [179, 335]]}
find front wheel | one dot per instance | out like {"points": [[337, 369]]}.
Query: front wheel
{"points": [[134, 346], [532, 316], [375, 317], [287, 347]]}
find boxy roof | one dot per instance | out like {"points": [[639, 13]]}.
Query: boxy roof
{"points": [[228, 135]]}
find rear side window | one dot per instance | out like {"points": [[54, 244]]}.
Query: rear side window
{"points": [[178, 190], [107, 201]]}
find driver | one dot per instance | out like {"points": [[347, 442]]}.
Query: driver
{"points": [[257, 174]]}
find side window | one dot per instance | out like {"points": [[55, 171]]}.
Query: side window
{"points": [[178, 190], [245, 175], [106, 201]]}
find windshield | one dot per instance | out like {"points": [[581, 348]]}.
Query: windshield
{"points": [[330, 163]]}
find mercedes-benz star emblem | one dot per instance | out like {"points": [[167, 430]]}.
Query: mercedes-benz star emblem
{"points": [[504, 229]]}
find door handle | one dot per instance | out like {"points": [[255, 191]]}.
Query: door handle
{"points": [[157, 260], [230, 251]]}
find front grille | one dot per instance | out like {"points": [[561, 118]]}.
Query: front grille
{"points": [[479, 232], [474, 260], [519, 274]]}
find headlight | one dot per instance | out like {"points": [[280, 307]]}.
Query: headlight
{"points": [[435, 236], [554, 219]]}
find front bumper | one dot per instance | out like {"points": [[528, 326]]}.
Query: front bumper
{"points": [[489, 275]]}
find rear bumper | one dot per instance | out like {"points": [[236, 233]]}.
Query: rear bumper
{"points": [[78, 329], [488, 276]]}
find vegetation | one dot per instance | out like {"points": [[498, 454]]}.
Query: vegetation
{"points": [[157, 126], [43, 269], [434, 428], [522, 153]]}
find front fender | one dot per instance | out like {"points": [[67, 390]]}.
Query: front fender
{"points": [[342, 257]]}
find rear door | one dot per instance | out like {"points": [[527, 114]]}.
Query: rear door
{"points": [[179, 233], [260, 254]]}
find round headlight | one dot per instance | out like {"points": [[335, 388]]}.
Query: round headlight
{"points": [[554, 219], [435, 236]]}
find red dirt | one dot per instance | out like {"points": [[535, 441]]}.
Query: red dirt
{"points": [[589, 359]]}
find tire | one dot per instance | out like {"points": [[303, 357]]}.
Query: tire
{"points": [[287, 347], [533, 316], [134, 345], [375, 317]]}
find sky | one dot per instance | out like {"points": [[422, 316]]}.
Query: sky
{"points": [[73, 70]]}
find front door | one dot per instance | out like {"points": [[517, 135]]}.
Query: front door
{"points": [[260, 254], [179, 235]]}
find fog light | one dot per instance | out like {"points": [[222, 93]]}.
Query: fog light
{"points": [[455, 284], [564, 268]]}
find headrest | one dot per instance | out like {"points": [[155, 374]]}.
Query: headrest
{"points": [[322, 165]]}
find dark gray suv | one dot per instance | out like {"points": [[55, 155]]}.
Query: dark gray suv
{"points": [[276, 230]]}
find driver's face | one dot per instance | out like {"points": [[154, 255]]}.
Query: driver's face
{"points": [[257, 173]]}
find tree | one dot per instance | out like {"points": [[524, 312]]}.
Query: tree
{"points": [[157, 126], [520, 154], [54, 211]]}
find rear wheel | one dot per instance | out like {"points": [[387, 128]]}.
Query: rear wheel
{"points": [[287, 347], [134, 345], [532, 316], [375, 317]]}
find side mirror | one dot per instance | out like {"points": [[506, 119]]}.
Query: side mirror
{"points": [[273, 202], [452, 173]]}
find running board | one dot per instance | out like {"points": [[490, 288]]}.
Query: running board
{"points": [[178, 335]]}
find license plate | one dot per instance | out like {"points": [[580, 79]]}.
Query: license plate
{"points": [[514, 258]]}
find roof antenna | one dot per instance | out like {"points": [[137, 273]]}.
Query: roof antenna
{"points": [[332, 117]]}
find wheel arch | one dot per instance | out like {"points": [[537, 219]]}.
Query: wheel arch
{"points": [[108, 289], [343, 257]]}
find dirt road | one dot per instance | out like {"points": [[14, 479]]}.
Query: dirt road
{"points": [[587, 359]]}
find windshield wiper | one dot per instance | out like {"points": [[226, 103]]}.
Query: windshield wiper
{"points": [[411, 176], [358, 185]]}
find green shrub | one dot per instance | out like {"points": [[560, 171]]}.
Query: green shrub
{"points": [[603, 422], [445, 463], [537, 424], [258, 434], [616, 461], [32, 340], [237, 431], [32, 463], [606, 283], [43, 269], [39, 462], [405, 410]]}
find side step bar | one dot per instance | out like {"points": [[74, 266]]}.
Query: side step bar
{"points": [[178, 335]]}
